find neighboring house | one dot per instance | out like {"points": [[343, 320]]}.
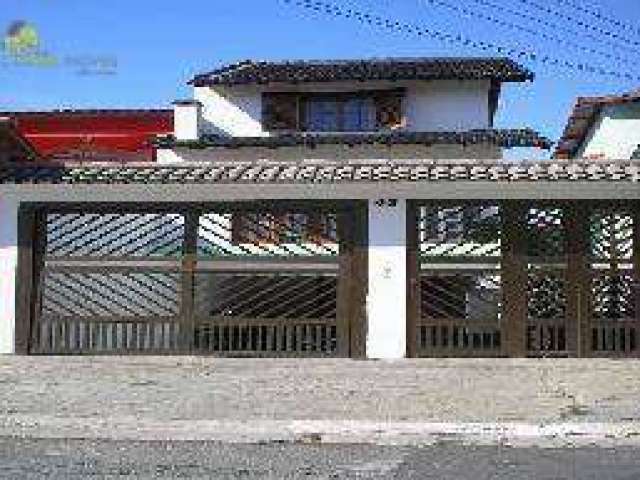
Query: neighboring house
{"points": [[605, 127], [13, 146], [103, 135], [380, 108]]}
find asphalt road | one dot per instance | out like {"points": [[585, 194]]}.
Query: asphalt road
{"points": [[81, 459]]}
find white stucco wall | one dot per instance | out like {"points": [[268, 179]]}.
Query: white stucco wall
{"points": [[615, 135], [186, 120], [387, 283], [444, 105], [8, 265], [447, 106], [231, 111]]}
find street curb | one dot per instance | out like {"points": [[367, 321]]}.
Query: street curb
{"points": [[328, 432]]}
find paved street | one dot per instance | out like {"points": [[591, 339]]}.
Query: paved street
{"points": [[80, 459]]}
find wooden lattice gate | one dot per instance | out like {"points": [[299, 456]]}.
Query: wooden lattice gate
{"points": [[227, 279], [518, 278]]}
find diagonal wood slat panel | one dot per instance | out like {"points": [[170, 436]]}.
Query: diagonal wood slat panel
{"points": [[227, 280]]}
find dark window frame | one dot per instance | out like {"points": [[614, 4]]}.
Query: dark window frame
{"points": [[301, 100]]}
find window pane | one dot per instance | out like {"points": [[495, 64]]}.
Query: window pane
{"points": [[359, 115], [322, 116]]}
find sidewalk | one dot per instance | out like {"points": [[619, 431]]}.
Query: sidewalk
{"points": [[542, 402]]}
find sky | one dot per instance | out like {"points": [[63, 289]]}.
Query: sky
{"points": [[141, 53]]}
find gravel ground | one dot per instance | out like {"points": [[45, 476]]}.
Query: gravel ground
{"points": [[177, 398], [188, 388], [81, 459]]}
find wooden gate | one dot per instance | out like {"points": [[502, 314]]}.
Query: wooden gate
{"points": [[224, 279], [517, 278]]}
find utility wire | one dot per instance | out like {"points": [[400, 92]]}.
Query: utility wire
{"points": [[580, 23], [596, 14], [531, 31], [550, 25], [394, 25]]}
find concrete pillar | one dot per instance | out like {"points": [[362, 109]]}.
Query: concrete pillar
{"points": [[187, 115], [387, 297], [8, 266]]}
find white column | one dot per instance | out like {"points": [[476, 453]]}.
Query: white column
{"points": [[8, 266], [387, 297], [187, 117]]}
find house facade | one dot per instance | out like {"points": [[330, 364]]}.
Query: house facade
{"points": [[332, 208], [603, 128]]}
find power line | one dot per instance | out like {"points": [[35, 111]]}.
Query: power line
{"points": [[530, 55], [530, 31], [580, 23], [550, 25], [596, 14]]}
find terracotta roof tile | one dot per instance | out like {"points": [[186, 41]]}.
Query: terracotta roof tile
{"points": [[263, 172], [303, 71], [504, 138]]}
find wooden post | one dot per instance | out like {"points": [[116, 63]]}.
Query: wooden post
{"points": [[577, 280], [352, 280], [189, 261], [360, 282], [413, 279], [514, 279], [27, 231], [635, 209]]}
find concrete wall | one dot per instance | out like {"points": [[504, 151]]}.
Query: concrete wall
{"points": [[615, 135], [387, 282], [8, 265], [429, 106]]}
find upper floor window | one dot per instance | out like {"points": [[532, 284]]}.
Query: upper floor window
{"points": [[333, 112]]}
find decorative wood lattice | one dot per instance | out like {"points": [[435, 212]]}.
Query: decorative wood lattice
{"points": [[566, 278], [545, 236], [614, 294]]}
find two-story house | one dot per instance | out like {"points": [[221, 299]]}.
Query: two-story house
{"points": [[380, 108], [327, 208]]}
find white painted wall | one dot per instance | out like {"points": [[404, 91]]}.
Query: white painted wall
{"points": [[8, 265], [615, 135], [186, 120], [443, 105], [447, 106], [231, 111], [387, 294]]}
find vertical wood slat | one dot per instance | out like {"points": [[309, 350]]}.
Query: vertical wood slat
{"points": [[577, 285], [514, 278], [28, 219], [189, 260], [413, 279], [357, 299], [635, 212], [346, 279]]}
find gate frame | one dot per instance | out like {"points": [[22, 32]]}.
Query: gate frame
{"points": [[352, 261], [514, 324]]}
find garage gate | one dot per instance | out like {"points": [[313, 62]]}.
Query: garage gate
{"points": [[524, 279], [276, 279]]}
